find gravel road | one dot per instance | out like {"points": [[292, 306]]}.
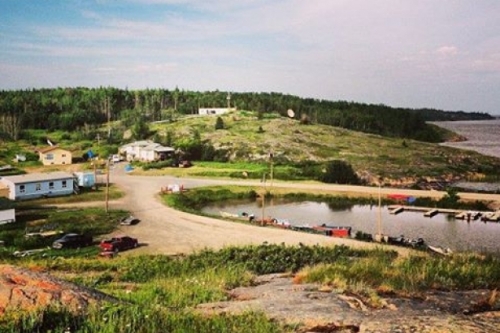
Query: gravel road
{"points": [[163, 230]]}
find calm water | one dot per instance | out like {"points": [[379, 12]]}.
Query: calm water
{"points": [[440, 230], [482, 136]]}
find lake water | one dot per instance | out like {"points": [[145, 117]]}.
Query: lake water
{"points": [[482, 136], [442, 230]]}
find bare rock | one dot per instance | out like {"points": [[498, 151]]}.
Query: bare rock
{"points": [[22, 288], [316, 309]]}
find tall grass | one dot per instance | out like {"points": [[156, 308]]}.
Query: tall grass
{"points": [[410, 275]]}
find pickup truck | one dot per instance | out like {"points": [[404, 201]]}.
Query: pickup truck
{"points": [[118, 243]]}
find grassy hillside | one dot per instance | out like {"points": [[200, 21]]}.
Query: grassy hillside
{"points": [[245, 137]]}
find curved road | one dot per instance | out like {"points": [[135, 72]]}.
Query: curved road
{"points": [[163, 230]]}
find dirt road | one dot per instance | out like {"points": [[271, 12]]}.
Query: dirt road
{"points": [[163, 230]]}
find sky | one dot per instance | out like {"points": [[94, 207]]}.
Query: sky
{"points": [[442, 54]]}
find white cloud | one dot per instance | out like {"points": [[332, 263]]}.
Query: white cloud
{"points": [[447, 51]]}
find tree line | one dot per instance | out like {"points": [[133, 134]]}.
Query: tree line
{"points": [[74, 108]]}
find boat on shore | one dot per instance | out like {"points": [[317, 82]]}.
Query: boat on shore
{"points": [[241, 216], [400, 241], [334, 230], [281, 223], [440, 250]]}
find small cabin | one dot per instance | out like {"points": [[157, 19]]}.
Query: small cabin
{"points": [[55, 155]]}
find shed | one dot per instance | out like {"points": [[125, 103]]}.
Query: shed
{"points": [[85, 179], [213, 111], [7, 216], [39, 185]]}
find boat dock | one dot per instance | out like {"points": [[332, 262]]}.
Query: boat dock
{"points": [[458, 213]]}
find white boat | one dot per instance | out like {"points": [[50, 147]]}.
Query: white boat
{"points": [[440, 250]]}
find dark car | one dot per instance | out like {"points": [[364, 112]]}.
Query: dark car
{"points": [[118, 243], [72, 241]]}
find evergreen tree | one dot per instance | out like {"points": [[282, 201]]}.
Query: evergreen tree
{"points": [[219, 123]]}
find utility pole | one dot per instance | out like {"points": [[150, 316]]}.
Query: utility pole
{"points": [[272, 167], [379, 236], [107, 185], [262, 222], [108, 109]]}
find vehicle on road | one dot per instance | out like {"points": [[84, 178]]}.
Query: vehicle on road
{"points": [[118, 243], [129, 220], [72, 240]]}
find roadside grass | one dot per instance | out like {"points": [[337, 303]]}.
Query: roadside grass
{"points": [[91, 221], [232, 170]]}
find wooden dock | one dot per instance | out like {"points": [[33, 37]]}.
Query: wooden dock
{"points": [[431, 213], [396, 210], [491, 216], [458, 213]]}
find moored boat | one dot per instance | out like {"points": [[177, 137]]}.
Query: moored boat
{"points": [[242, 216], [334, 230], [440, 250]]}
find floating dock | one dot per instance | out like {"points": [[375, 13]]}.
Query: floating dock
{"points": [[458, 213], [396, 210], [431, 213]]}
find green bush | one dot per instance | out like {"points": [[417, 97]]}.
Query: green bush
{"points": [[339, 172]]}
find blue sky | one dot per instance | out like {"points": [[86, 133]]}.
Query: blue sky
{"points": [[412, 53]]}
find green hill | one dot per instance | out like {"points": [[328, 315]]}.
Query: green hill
{"points": [[245, 137]]}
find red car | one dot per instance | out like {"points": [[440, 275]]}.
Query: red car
{"points": [[118, 243]]}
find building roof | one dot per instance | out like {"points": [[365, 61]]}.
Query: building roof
{"points": [[50, 148], [38, 177], [149, 145]]}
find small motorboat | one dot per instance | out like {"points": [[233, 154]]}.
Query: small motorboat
{"points": [[440, 250]]}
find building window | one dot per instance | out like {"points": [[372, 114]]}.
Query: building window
{"points": [[51, 185], [49, 156], [38, 187], [63, 155], [64, 184], [22, 188]]}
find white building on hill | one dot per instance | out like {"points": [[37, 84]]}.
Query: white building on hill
{"points": [[146, 150]]}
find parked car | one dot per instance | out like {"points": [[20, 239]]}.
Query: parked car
{"points": [[72, 241], [118, 243], [129, 220]]}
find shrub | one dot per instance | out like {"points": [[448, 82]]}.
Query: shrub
{"points": [[339, 172]]}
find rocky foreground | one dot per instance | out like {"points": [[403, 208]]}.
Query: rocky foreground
{"points": [[25, 289], [308, 307], [324, 310]]}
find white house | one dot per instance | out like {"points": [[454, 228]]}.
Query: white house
{"points": [[38, 185], [213, 111], [146, 150], [7, 216]]}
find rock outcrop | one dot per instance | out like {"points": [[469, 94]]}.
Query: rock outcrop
{"points": [[318, 310], [22, 288]]}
